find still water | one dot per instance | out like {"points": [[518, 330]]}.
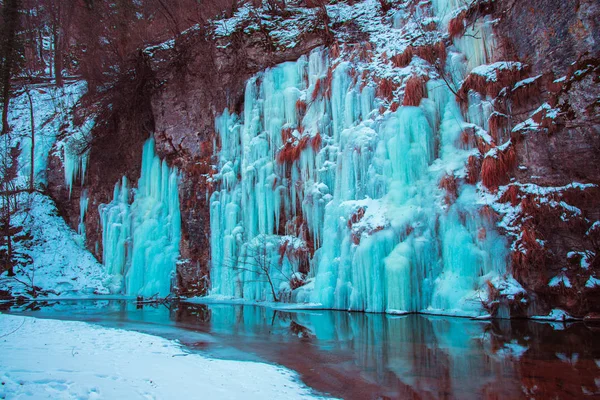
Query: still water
{"points": [[372, 356]]}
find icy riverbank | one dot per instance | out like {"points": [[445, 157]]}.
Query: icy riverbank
{"points": [[63, 359]]}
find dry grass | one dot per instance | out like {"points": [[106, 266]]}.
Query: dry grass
{"points": [[432, 53], [512, 195], [526, 95], [385, 5], [414, 91], [482, 145], [497, 124], [315, 142], [529, 256], [468, 140], [365, 52], [473, 169], [450, 185], [292, 150], [495, 170], [493, 292], [323, 86], [456, 26], [488, 213], [335, 50], [542, 119], [317, 90], [482, 233], [385, 89], [403, 59], [295, 283], [430, 27], [356, 217], [286, 134], [301, 107], [480, 84]]}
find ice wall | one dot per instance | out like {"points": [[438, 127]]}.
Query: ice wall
{"points": [[141, 229], [313, 159]]}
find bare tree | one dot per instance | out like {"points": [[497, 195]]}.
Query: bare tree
{"points": [[60, 13], [8, 54], [8, 192], [260, 260], [32, 166]]}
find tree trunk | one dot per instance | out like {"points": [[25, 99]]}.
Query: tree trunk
{"points": [[58, 67], [9, 254], [7, 234], [272, 288], [32, 166], [10, 15], [5, 102]]}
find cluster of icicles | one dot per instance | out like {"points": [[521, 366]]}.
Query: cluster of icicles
{"points": [[357, 190], [141, 229]]}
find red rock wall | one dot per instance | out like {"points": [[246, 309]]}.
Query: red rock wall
{"points": [[556, 39], [195, 80]]}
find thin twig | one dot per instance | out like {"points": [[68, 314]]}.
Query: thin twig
{"points": [[19, 327]]}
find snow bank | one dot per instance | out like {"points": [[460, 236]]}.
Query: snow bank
{"points": [[50, 255], [57, 261], [554, 315], [50, 359]]}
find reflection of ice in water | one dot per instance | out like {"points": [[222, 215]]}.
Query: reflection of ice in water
{"points": [[394, 356], [430, 354]]}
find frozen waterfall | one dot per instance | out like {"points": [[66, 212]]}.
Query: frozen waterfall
{"points": [[350, 207], [141, 229]]}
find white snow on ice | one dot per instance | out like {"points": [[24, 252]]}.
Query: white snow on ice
{"points": [[51, 359], [554, 315]]}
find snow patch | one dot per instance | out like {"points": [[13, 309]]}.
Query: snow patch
{"points": [[554, 315], [79, 360], [592, 282], [560, 279], [490, 71], [57, 262]]}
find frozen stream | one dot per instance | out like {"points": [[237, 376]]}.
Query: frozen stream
{"points": [[370, 356]]}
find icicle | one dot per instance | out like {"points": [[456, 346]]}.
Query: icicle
{"points": [[365, 188], [141, 239], [83, 206], [75, 166], [74, 159], [115, 221]]}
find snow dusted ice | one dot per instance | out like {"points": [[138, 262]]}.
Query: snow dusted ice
{"points": [[368, 187], [50, 359]]}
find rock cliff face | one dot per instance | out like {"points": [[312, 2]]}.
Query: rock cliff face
{"points": [[174, 93], [115, 150], [560, 41], [199, 78], [549, 111]]}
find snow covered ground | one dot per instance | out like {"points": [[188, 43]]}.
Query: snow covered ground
{"points": [[53, 257], [50, 255], [51, 359]]}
